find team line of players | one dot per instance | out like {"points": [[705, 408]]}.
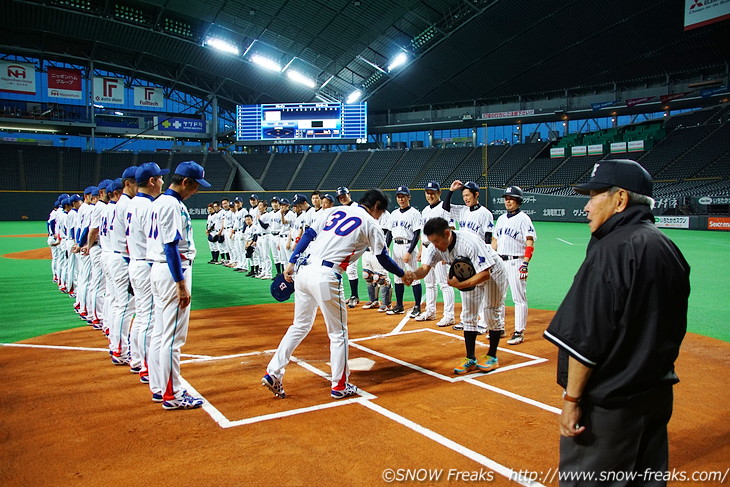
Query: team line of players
{"points": [[250, 239]]}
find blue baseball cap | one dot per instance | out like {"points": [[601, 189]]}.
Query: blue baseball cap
{"points": [[114, 185], [281, 289], [102, 184], [95, 191], [274, 198], [403, 190], [149, 170], [299, 198], [193, 170], [89, 189], [471, 185], [342, 190], [66, 201], [285, 201], [432, 186], [129, 172], [254, 197], [75, 197], [62, 196], [328, 196]]}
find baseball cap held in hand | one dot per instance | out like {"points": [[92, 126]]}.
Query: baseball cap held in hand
{"points": [[623, 173]]}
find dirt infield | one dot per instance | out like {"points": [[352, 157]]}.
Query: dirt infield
{"points": [[69, 415], [40, 254]]}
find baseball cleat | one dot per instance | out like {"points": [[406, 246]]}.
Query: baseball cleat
{"points": [[425, 317], [352, 302], [135, 370], [185, 402], [370, 305], [488, 364], [156, 397], [349, 390], [274, 384], [445, 321], [120, 360], [383, 308], [397, 310], [467, 365], [415, 311], [517, 338], [458, 326], [144, 379]]}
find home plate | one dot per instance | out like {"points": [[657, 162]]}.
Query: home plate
{"points": [[361, 364]]}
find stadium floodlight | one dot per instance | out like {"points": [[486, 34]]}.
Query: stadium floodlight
{"points": [[300, 78], [398, 61], [266, 63], [354, 96], [221, 45]]}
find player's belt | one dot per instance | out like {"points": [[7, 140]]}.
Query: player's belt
{"points": [[510, 257], [274, 233], [332, 265], [425, 244], [401, 241]]}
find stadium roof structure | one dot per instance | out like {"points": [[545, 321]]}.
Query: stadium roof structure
{"points": [[458, 50]]}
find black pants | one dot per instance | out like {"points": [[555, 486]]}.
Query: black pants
{"points": [[624, 446]]}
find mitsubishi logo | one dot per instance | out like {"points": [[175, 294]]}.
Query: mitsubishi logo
{"points": [[698, 3]]}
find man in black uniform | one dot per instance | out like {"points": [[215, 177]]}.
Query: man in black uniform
{"points": [[619, 330]]}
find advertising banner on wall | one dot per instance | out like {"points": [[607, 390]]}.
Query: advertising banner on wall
{"points": [[149, 96], [17, 77], [109, 90], [718, 223], [579, 150], [618, 147], [636, 146], [702, 12], [672, 221], [64, 83], [557, 152], [595, 149], [515, 113], [180, 125]]}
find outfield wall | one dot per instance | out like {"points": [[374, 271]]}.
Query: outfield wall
{"points": [[35, 206]]}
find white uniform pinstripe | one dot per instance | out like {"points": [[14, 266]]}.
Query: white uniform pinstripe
{"points": [[487, 298], [511, 234], [403, 225], [438, 274]]}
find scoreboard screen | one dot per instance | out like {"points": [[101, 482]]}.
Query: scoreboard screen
{"points": [[302, 123]]}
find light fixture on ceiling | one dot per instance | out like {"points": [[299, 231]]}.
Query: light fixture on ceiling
{"points": [[266, 63], [221, 45], [298, 77], [398, 61], [354, 96]]}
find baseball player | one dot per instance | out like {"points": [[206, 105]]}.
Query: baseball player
{"points": [[97, 287], [438, 276], [514, 240], [84, 263], [340, 238], [404, 229], [210, 232], [263, 244], [487, 298], [114, 192], [62, 230], [53, 240], [343, 196], [249, 242], [224, 226], [472, 217], [171, 248], [287, 219], [139, 211], [316, 200], [72, 224], [123, 309]]}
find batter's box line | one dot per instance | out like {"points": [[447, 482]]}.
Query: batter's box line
{"points": [[224, 422], [469, 380]]}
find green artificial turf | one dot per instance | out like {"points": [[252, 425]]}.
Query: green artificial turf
{"points": [[33, 306]]}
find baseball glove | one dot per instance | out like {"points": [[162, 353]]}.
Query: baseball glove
{"points": [[462, 269]]}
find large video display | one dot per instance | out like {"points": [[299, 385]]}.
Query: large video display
{"points": [[302, 123]]}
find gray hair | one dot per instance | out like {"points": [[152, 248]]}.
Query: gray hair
{"points": [[635, 198]]}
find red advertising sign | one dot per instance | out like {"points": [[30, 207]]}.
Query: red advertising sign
{"points": [[718, 223], [64, 83]]}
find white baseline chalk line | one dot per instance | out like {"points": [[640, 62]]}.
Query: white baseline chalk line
{"points": [[85, 349], [565, 241], [450, 444]]}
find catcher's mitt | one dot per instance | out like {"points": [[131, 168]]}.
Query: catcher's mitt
{"points": [[462, 269]]}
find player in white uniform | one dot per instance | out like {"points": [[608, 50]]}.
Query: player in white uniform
{"points": [[287, 221], [84, 262], [263, 243], [210, 234], [472, 217], [514, 240], [123, 309], [72, 224], [404, 228], [487, 298], [114, 190], [139, 212], [53, 238], [62, 231], [439, 275], [340, 238], [92, 248], [254, 212], [344, 198], [171, 248]]}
